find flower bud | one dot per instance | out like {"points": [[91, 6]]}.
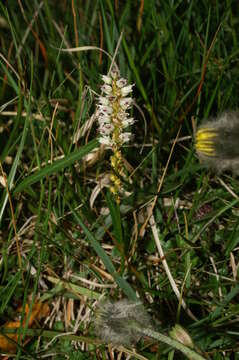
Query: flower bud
{"points": [[126, 90], [107, 79], [180, 334], [217, 142]]}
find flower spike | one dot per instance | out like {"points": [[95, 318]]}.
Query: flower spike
{"points": [[114, 121]]}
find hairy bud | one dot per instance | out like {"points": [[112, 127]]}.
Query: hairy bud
{"points": [[217, 142]]}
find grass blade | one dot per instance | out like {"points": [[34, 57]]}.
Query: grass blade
{"points": [[123, 284], [56, 166]]}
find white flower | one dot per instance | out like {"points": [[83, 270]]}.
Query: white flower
{"points": [[107, 89], [102, 109], [113, 118], [106, 129], [106, 140], [126, 103], [103, 100], [121, 82], [122, 115], [104, 119], [126, 90], [106, 79], [128, 122], [112, 114], [125, 137]]}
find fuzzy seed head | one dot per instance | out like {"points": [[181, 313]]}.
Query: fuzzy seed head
{"points": [[117, 322]]}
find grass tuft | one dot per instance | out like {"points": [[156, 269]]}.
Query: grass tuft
{"points": [[64, 241]]}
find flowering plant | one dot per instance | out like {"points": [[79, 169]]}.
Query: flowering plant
{"points": [[113, 119]]}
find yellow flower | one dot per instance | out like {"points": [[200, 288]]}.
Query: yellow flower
{"points": [[205, 141], [216, 142]]}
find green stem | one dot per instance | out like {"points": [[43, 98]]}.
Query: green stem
{"points": [[191, 354]]}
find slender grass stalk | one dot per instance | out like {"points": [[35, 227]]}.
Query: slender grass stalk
{"points": [[191, 354]]}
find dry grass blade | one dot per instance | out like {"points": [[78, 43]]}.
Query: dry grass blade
{"points": [[166, 267], [160, 184], [85, 48]]}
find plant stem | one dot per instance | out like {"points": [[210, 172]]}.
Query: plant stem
{"points": [[191, 354]]}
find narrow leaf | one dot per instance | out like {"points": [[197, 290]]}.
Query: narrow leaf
{"points": [[129, 292], [56, 166]]}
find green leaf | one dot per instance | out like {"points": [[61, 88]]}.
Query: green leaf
{"points": [[116, 219], [127, 289], [56, 166], [13, 170], [75, 289], [7, 292]]}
